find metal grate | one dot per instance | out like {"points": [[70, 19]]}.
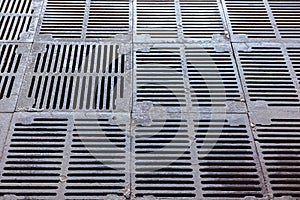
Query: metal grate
{"points": [[268, 78], [195, 157], [249, 19], [278, 137], [207, 71], [201, 19], [77, 77], [18, 20], [293, 53], [108, 19], [156, 18], [55, 156], [287, 17], [11, 72]]}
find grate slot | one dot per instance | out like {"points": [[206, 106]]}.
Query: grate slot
{"points": [[82, 77], [16, 6], [108, 19], [201, 19], [156, 18]]}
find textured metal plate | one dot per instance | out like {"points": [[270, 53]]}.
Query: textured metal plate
{"points": [[18, 20], [191, 156], [66, 156], [277, 135], [77, 76], [269, 78], [85, 20], [186, 78], [12, 65]]}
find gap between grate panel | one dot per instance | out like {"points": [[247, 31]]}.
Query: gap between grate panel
{"points": [[18, 20], [190, 78], [12, 66], [77, 77], [277, 136], [61, 155], [191, 156]]}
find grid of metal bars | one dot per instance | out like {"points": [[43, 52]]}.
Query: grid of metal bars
{"points": [[137, 99]]}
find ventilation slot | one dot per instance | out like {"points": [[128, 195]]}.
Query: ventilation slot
{"points": [[267, 77], [76, 77], [250, 18], [287, 17], [63, 19], [156, 18], [201, 19], [295, 59], [159, 77], [16, 6], [108, 19]]}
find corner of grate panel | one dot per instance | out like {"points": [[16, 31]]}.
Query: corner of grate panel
{"points": [[78, 77]]}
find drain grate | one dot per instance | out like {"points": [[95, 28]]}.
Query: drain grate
{"points": [[249, 18], [59, 155], [269, 79], [18, 20], [108, 19], [287, 17], [12, 66], [201, 19], [278, 137], [163, 75], [184, 156], [156, 18], [77, 77]]}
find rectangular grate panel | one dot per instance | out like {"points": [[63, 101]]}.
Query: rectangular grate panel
{"points": [[60, 156], [12, 68], [201, 19], [267, 76], [18, 20], [287, 17], [278, 135], [184, 156], [156, 18], [108, 19], [77, 77], [249, 18], [163, 75]]}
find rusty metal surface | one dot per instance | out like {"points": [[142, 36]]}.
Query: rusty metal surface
{"points": [[150, 100]]}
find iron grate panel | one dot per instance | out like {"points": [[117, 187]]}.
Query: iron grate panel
{"points": [[249, 20], [277, 135], [18, 20], [12, 66], [156, 18], [60, 155], [187, 78], [77, 77], [269, 78], [201, 19], [186, 156], [287, 17]]}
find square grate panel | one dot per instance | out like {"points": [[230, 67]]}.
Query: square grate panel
{"points": [[190, 156], [77, 77], [60, 156], [81, 20], [269, 78], [12, 66], [201, 19], [277, 135], [187, 78], [249, 20], [18, 20]]}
